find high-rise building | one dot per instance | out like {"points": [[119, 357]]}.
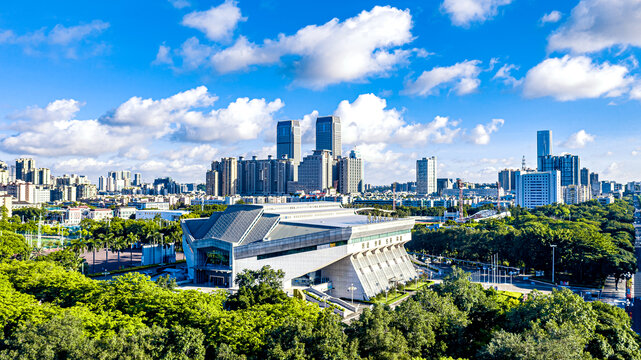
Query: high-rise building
{"points": [[594, 185], [227, 169], [585, 176], [350, 168], [328, 135], [507, 179], [265, 177], [137, 179], [543, 146], [43, 177], [426, 176], [288, 140], [25, 169], [102, 183], [538, 188], [569, 166], [211, 183], [315, 171]]}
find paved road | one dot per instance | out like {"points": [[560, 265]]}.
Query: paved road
{"points": [[636, 307]]}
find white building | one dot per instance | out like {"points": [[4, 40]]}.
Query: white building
{"points": [[169, 215], [313, 243], [426, 176], [100, 214], [576, 194], [538, 188], [125, 212]]}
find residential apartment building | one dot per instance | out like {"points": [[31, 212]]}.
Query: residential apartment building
{"points": [[426, 170]]}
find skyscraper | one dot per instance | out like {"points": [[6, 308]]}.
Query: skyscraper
{"points": [[288, 140], [137, 179], [569, 166], [227, 169], [543, 146], [585, 176], [25, 169], [350, 179], [426, 176], [328, 135]]}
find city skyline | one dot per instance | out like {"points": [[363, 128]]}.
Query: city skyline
{"points": [[170, 103]]}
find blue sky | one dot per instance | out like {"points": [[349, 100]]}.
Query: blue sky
{"points": [[164, 87]]}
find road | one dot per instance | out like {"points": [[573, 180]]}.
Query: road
{"points": [[636, 307]]}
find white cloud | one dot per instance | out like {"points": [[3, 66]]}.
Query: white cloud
{"points": [[179, 4], [462, 76], [203, 153], [163, 56], [136, 152], [481, 133], [243, 119], [441, 130], [634, 153], [217, 23], [464, 12], [367, 120], [578, 140], [61, 40], [63, 35], [571, 78], [635, 92], [551, 17], [187, 116], [159, 115], [78, 165], [338, 51], [505, 74], [599, 24]]}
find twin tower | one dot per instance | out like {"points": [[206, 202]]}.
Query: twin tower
{"points": [[328, 137]]}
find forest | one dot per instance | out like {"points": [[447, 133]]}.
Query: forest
{"points": [[592, 240]]}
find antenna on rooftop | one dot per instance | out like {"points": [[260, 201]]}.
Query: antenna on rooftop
{"points": [[459, 184]]}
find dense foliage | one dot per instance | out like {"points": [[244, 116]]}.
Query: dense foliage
{"points": [[50, 313], [593, 240]]}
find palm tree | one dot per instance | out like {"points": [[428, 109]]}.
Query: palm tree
{"points": [[118, 243], [91, 244], [131, 239], [106, 240]]}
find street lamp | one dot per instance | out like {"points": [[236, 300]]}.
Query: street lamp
{"points": [[351, 289], [553, 247]]}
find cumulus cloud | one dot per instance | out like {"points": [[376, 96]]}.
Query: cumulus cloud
{"points": [[463, 77], [464, 12], [571, 78], [244, 119], [365, 45], [60, 40], [217, 23], [203, 153], [186, 116], [551, 17], [481, 133], [441, 130], [504, 74], [84, 164], [599, 24], [578, 140]]}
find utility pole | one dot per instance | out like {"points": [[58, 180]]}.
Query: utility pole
{"points": [[553, 247]]}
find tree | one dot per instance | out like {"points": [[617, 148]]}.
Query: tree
{"points": [[256, 287], [376, 336], [13, 246]]}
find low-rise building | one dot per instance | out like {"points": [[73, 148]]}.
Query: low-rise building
{"points": [[169, 215], [311, 242], [125, 212]]}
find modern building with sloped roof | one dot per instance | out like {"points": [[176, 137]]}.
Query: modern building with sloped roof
{"points": [[313, 243]]}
